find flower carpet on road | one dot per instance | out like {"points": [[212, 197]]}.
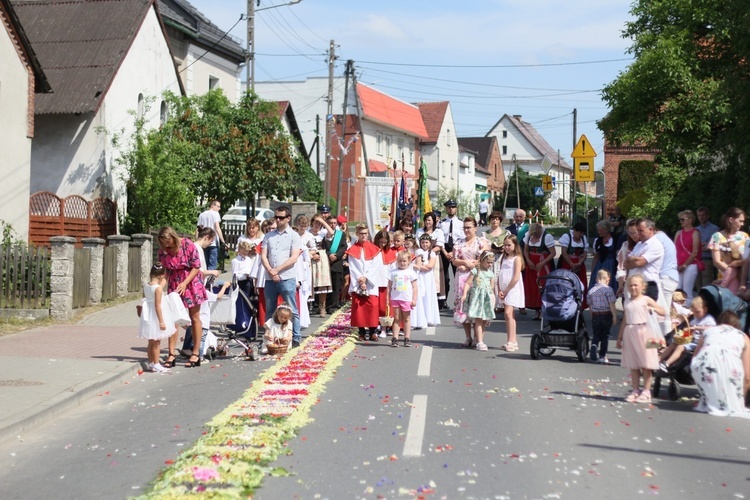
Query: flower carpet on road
{"points": [[241, 443]]}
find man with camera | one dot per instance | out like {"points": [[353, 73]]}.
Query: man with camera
{"points": [[452, 228]]}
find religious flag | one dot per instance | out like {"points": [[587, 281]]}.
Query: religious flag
{"points": [[401, 198], [394, 202], [423, 192]]}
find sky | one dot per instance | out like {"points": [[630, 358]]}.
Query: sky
{"points": [[536, 58]]}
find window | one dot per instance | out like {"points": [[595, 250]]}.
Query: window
{"points": [[442, 169], [448, 137], [505, 134], [453, 175], [379, 143], [505, 150], [388, 142], [163, 113], [213, 82], [400, 145], [411, 157]]}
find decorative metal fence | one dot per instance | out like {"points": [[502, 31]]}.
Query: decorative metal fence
{"points": [[25, 277]]}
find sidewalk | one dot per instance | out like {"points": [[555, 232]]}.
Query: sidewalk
{"points": [[48, 370]]}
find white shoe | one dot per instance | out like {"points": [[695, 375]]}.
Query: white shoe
{"points": [[158, 368], [382, 335], [603, 361], [264, 350]]}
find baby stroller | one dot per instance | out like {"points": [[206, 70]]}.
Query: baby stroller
{"points": [[717, 300], [563, 325], [233, 321]]}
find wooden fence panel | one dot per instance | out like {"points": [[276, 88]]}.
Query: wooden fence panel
{"points": [[134, 269], [73, 216], [81, 277], [109, 278], [25, 277]]}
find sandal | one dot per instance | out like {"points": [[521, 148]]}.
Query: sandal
{"points": [[467, 343], [191, 363], [481, 346], [373, 337], [511, 347], [645, 397], [169, 362], [632, 396]]}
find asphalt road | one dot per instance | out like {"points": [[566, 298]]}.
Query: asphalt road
{"points": [[437, 419]]}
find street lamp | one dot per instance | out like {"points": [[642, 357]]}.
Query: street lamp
{"points": [[250, 60]]}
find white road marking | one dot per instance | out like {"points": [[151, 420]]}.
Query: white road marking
{"points": [[425, 360], [415, 431], [430, 330]]}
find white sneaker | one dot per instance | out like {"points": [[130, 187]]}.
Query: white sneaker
{"points": [[382, 335], [159, 368], [603, 360], [264, 350]]}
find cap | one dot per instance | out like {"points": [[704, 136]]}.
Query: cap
{"points": [[437, 213], [341, 219], [450, 203], [324, 208]]}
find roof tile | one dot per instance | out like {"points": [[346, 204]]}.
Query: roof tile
{"points": [[389, 111]]}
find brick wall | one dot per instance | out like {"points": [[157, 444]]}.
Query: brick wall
{"points": [[613, 156]]}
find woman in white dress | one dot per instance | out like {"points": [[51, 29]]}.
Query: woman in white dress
{"points": [[304, 271], [438, 242], [426, 313]]}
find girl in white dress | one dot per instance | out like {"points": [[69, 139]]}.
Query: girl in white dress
{"points": [[427, 302], [510, 291], [156, 321]]}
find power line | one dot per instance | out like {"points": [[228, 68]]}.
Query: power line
{"points": [[488, 66]]}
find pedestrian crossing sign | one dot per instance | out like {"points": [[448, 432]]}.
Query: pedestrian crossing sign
{"points": [[538, 191]]}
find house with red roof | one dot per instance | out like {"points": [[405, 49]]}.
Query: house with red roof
{"points": [[21, 80], [104, 61], [378, 137], [522, 146]]}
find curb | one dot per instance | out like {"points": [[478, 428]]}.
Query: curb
{"points": [[62, 403]]}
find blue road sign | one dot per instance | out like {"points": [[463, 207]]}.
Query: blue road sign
{"points": [[538, 191]]}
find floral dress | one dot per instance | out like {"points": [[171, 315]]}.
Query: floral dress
{"points": [[731, 248], [465, 251], [178, 267], [718, 371], [480, 301]]}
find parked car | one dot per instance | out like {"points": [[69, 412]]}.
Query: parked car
{"points": [[239, 215]]}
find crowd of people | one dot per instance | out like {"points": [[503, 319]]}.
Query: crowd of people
{"points": [[399, 279]]}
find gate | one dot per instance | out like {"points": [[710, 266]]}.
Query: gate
{"points": [[50, 215]]}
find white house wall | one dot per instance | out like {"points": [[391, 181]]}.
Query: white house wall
{"points": [[399, 141], [308, 99], [200, 67], [73, 154], [15, 146]]}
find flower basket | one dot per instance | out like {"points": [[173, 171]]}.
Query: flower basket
{"points": [[683, 336], [387, 320], [276, 349]]}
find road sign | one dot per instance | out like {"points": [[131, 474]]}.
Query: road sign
{"points": [[546, 164], [583, 160], [538, 191], [547, 183]]}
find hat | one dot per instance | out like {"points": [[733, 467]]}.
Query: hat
{"points": [[341, 219], [324, 208], [450, 203], [437, 213], [678, 296]]}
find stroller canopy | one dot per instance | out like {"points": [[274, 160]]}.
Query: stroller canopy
{"points": [[562, 295], [719, 299]]}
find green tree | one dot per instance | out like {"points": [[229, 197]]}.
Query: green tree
{"points": [[686, 95], [527, 185], [208, 149]]}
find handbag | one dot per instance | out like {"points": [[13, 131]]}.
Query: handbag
{"points": [[459, 317]]}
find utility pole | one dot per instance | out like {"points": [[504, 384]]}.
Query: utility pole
{"points": [[250, 62], [342, 139], [317, 144], [329, 120], [573, 185]]}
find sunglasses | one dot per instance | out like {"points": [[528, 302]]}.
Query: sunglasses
{"points": [[280, 217], [466, 228]]}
